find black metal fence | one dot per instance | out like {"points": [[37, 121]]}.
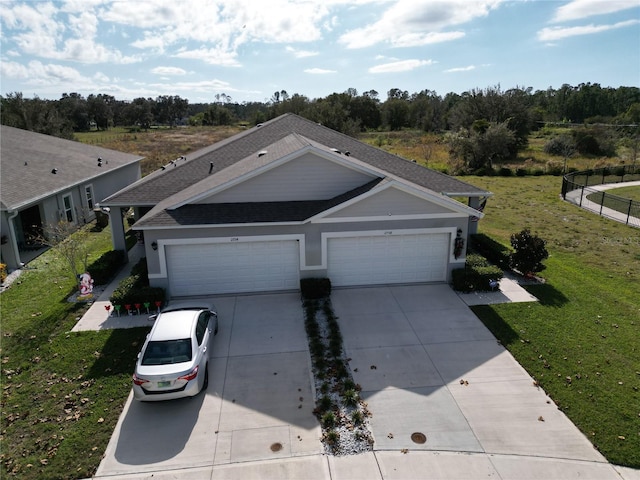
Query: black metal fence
{"points": [[581, 188]]}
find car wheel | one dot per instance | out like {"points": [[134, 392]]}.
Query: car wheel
{"points": [[206, 378]]}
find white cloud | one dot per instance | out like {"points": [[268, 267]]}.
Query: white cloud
{"points": [[550, 34], [415, 23], [400, 66], [420, 39], [36, 73], [220, 26], [319, 71], [578, 9], [171, 71], [301, 53], [42, 30], [212, 56], [461, 69]]}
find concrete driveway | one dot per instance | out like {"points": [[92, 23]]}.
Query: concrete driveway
{"points": [[258, 405], [426, 365]]}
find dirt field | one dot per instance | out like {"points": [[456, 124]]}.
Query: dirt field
{"points": [[159, 146]]}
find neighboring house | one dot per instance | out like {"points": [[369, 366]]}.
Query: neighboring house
{"points": [[290, 199], [45, 179]]}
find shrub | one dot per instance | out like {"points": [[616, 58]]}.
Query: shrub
{"points": [[521, 172], [325, 404], [357, 417], [495, 252], [505, 172], [529, 252], [3, 272], [562, 145], [106, 267], [328, 419], [350, 398], [314, 288], [135, 288], [555, 168], [475, 278], [333, 437]]}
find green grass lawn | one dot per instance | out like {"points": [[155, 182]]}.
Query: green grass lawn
{"points": [[62, 392], [632, 193], [581, 342]]}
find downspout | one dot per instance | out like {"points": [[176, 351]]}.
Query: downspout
{"points": [[12, 237]]}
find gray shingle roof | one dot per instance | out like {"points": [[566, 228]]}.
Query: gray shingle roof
{"points": [[249, 212], [161, 185], [28, 158]]}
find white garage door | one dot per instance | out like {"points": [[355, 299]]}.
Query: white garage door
{"points": [[385, 259], [233, 267]]}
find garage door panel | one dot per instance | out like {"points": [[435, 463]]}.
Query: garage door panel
{"points": [[205, 269], [387, 259]]}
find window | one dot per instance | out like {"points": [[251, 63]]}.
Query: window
{"points": [[167, 352], [88, 192], [67, 203], [201, 328]]}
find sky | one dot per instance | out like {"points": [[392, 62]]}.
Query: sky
{"points": [[245, 50]]}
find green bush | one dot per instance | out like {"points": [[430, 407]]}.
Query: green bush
{"points": [[475, 278], [522, 172], [505, 172], [475, 260], [135, 288], [529, 252], [495, 252], [314, 288], [106, 267]]}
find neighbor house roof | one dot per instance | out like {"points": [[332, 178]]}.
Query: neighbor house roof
{"points": [[179, 179], [27, 160]]}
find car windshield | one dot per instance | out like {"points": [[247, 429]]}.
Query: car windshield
{"points": [[167, 352]]}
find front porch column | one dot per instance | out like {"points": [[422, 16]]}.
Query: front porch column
{"points": [[117, 231], [474, 202]]}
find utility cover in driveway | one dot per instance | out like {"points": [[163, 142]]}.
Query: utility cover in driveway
{"points": [[387, 259], [234, 267]]}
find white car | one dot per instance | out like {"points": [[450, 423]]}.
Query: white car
{"points": [[174, 360]]}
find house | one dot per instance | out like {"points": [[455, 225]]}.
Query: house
{"points": [[291, 199], [45, 179]]}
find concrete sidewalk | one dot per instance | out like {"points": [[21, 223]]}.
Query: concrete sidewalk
{"points": [[97, 317], [579, 198]]}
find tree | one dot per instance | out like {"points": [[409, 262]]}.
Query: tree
{"points": [[73, 108], [395, 113], [563, 145], [139, 113], [484, 144], [529, 252], [99, 108], [69, 243]]}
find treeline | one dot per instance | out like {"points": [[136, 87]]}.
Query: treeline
{"points": [[482, 125], [347, 112]]}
